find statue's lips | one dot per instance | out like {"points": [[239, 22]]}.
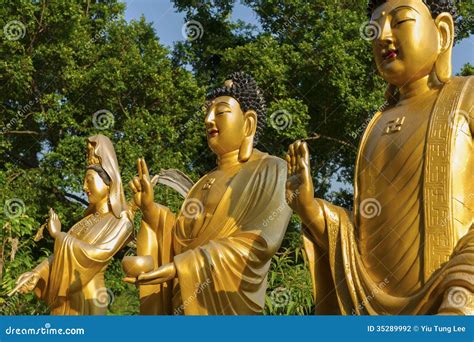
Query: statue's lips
{"points": [[390, 55], [212, 132]]}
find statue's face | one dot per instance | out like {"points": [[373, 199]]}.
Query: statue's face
{"points": [[225, 125], [95, 188], [407, 47]]}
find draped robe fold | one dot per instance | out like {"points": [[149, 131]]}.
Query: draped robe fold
{"points": [[72, 279], [441, 202], [222, 260]]}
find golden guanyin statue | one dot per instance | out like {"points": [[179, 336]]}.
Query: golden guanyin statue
{"points": [[214, 256], [408, 247], [71, 281]]}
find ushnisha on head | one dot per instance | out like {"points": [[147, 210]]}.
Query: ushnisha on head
{"points": [[415, 39], [236, 116]]}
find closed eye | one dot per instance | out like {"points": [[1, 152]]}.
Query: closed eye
{"points": [[223, 112], [403, 21]]}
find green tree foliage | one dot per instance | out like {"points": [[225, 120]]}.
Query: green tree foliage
{"points": [[313, 64], [467, 70], [70, 69], [77, 58]]}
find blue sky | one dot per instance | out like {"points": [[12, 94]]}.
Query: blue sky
{"points": [[168, 24]]}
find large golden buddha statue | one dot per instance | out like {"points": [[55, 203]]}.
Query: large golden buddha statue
{"points": [[71, 281], [408, 247], [214, 256]]}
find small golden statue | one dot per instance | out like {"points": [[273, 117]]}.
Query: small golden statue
{"points": [[213, 258], [71, 281], [408, 248]]}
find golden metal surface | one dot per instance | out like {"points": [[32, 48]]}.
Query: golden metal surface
{"points": [[213, 257], [408, 246], [71, 281]]}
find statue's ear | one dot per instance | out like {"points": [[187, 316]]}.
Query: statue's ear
{"points": [[443, 67], [250, 127]]}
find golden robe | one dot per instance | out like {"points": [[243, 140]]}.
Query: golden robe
{"points": [[223, 257], [72, 280], [411, 236]]}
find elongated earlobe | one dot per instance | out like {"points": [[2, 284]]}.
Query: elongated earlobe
{"points": [[246, 149], [443, 66]]}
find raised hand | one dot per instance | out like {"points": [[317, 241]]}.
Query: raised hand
{"points": [[299, 185], [54, 225], [142, 187], [25, 283]]}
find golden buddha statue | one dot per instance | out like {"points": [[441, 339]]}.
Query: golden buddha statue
{"points": [[408, 247], [71, 281], [214, 256]]}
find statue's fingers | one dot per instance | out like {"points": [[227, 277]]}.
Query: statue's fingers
{"points": [[139, 168], [297, 156], [151, 275], [132, 186], [20, 278], [302, 157], [302, 166], [137, 183], [292, 157], [143, 277], [304, 151], [15, 290], [130, 280], [30, 287], [21, 288], [288, 162], [145, 168]]}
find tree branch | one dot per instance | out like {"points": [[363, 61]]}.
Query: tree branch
{"points": [[21, 132]]}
